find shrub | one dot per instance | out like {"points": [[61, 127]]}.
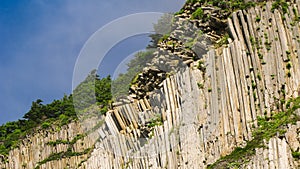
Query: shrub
{"points": [[289, 65], [280, 4], [201, 66], [200, 85], [275, 5], [223, 41], [179, 12], [296, 154], [257, 19], [64, 119], [259, 77], [164, 38], [46, 125], [289, 74], [198, 14], [156, 121]]}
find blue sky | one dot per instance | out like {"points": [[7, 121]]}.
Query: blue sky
{"points": [[41, 39]]}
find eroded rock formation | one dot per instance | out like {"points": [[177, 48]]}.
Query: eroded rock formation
{"points": [[202, 112]]}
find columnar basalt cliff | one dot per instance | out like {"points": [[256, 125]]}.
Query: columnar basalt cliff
{"points": [[235, 103]]}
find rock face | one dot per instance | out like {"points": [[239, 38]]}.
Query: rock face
{"points": [[278, 153], [36, 148], [202, 112]]}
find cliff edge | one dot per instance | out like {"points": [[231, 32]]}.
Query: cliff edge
{"points": [[234, 104]]}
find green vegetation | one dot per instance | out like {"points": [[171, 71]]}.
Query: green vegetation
{"points": [[296, 18], [156, 121], [46, 125], [192, 1], [162, 30], [164, 38], [200, 85], [257, 19], [93, 90], [223, 41], [289, 65], [238, 157], [268, 127], [73, 141], [121, 85], [289, 74], [58, 113], [280, 4], [61, 112], [268, 45], [163, 25], [226, 5], [64, 154], [179, 12], [252, 40], [39, 115], [253, 85], [296, 154], [190, 42], [201, 66], [198, 14], [259, 77]]}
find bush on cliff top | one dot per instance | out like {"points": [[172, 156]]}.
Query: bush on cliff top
{"points": [[60, 112]]}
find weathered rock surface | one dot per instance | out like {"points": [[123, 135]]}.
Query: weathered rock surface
{"points": [[34, 149], [194, 117]]}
